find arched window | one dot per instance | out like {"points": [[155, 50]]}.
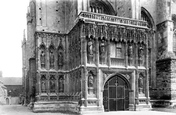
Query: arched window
{"points": [[97, 6], [43, 84], [145, 15], [52, 84]]}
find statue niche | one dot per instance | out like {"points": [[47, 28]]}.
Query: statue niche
{"points": [[42, 56], [102, 51], [141, 84], [52, 84], [130, 54], [61, 84], [43, 84], [60, 55], [140, 55], [90, 83], [51, 57], [90, 50]]}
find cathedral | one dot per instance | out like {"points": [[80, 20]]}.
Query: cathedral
{"points": [[99, 55]]}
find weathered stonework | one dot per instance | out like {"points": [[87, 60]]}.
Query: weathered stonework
{"points": [[165, 86], [78, 51]]}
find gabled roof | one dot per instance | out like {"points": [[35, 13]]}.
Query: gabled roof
{"points": [[11, 80]]}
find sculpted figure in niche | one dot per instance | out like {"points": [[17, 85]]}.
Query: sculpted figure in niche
{"points": [[141, 52], [90, 83], [43, 86], [140, 55], [102, 47], [60, 59], [61, 84], [102, 51], [90, 50], [51, 59], [130, 54], [42, 59], [52, 85], [141, 84]]}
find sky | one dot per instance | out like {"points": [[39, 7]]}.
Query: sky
{"points": [[12, 24]]}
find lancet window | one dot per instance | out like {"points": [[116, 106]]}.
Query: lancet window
{"points": [[43, 84], [117, 50], [52, 84]]}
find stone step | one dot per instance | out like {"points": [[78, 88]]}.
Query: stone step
{"points": [[56, 106]]}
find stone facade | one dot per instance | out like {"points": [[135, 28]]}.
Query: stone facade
{"points": [[78, 52]]}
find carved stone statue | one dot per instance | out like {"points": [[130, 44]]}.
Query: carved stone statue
{"points": [[90, 47], [51, 59], [52, 85], [60, 59], [102, 49], [90, 80], [90, 51], [42, 59], [61, 84], [140, 55], [43, 86], [141, 52], [90, 84], [141, 84], [130, 54]]}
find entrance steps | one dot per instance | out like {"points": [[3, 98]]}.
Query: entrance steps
{"points": [[56, 106]]}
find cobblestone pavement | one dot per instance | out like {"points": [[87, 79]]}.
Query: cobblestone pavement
{"points": [[23, 110]]}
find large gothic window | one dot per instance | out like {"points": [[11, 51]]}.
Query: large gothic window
{"points": [[145, 15]]}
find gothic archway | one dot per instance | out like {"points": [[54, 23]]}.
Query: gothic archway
{"points": [[116, 93], [146, 16]]}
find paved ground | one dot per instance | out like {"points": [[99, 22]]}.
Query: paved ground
{"points": [[22, 110]]}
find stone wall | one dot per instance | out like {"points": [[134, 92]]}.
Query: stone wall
{"points": [[166, 80]]}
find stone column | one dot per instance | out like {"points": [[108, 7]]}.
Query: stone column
{"points": [[126, 54], [147, 71], [165, 60], [86, 5], [136, 9], [132, 92], [108, 53]]}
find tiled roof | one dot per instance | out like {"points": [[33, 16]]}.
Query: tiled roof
{"points": [[11, 80]]}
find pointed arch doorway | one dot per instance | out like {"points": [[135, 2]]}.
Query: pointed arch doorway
{"points": [[116, 94]]}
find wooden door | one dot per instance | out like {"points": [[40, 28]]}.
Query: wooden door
{"points": [[116, 95]]}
